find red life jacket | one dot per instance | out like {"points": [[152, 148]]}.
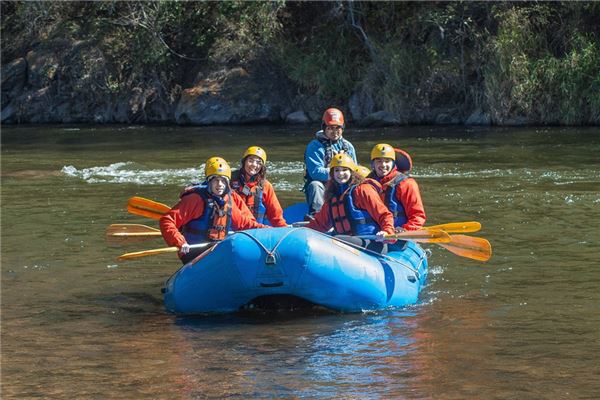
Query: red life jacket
{"points": [[252, 195], [347, 218]]}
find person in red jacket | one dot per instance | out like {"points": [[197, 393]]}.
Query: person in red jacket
{"points": [[251, 184], [353, 207], [205, 213], [400, 191], [237, 199]]}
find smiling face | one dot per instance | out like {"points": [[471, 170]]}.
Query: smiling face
{"points": [[333, 132], [252, 165], [342, 174], [383, 166], [218, 185]]}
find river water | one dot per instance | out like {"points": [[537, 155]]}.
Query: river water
{"points": [[78, 324]]}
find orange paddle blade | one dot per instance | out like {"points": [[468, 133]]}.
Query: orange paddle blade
{"points": [[457, 227], [143, 213], [146, 208], [469, 247], [422, 236]]}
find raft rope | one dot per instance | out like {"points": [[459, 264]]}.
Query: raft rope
{"points": [[383, 256], [270, 259]]}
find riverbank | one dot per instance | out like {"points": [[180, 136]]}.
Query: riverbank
{"points": [[382, 63]]}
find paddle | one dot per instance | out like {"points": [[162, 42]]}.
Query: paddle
{"points": [[145, 253], [422, 236], [146, 208], [462, 245], [131, 230], [469, 247], [457, 227], [155, 210], [122, 234]]}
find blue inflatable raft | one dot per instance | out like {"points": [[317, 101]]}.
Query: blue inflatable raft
{"points": [[300, 263]]}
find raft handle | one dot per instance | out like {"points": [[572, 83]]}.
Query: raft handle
{"points": [[270, 259]]}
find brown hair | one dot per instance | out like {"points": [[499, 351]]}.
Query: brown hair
{"points": [[332, 186], [261, 175]]}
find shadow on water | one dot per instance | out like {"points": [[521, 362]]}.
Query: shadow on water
{"points": [[262, 310]]}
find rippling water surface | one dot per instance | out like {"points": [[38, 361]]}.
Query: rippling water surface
{"points": [[78, 324]]}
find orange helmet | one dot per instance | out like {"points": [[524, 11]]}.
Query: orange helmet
{"points": [[333, 116]]}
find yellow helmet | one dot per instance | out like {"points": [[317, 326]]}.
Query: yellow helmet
{"points": [[362, 171], [383, 150], [217, 166], [256, 151], [342, 160]]}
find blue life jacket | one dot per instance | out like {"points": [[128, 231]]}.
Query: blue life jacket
{"points": [[395, 207], [215, 221]]}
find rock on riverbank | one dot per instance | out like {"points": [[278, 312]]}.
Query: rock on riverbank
{"points": [[71, 83]]}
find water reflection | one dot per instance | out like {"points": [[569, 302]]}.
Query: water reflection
{"points": [[307, 356]]}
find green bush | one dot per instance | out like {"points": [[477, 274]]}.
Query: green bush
{"points": [[538, 60]]}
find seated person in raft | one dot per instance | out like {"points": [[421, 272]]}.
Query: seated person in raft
{"points": [[205, 213], [353, 207], [400, 191], [328, 142], [251, 184]]}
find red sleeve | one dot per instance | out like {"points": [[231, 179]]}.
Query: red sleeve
{"points": [[367, 198], [189, 207], [241, 221], [409, 195], [274, 210], [241, 204], [322, 222]]}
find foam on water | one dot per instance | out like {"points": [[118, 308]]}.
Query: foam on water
{"points": [[287, 176], [284, 175], [558, 177], [130, 172]]}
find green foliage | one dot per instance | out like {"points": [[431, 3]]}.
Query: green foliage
{"points": [[527, 76], [534, 59], [326, 70], [318, 51], [246, 29]]}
